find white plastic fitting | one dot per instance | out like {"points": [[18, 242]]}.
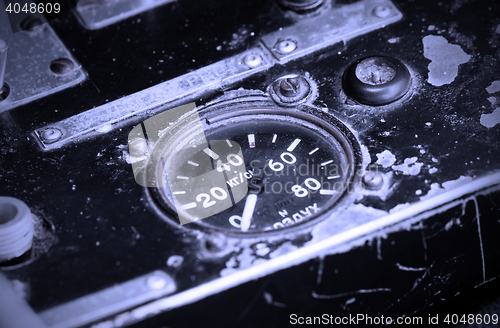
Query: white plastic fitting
{"points": [[16, 228]]}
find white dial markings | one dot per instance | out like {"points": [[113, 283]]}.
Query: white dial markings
{"points": [[246, 218], [294, 144], [210, 153], [251, 140], [327, 162], [313, 151], [188, 206]]}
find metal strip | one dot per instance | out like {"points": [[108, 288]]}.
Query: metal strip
{"points": [[109, 301], [95, 16], [212, 76], [335, 25]]}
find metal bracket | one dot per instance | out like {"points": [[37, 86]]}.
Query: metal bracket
{"points": [[109, 301], [98, 14], [335, 25], [29, 59]]}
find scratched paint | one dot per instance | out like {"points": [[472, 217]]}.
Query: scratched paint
{"points": [[494, 87], [445, 59], [490, 120], [436, 189]]}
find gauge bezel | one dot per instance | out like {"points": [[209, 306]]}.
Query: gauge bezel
{"points": [[236, 108]]}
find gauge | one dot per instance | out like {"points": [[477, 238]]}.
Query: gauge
{"points": [[257, 170]]}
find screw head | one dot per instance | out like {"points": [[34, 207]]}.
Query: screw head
{"points": [[62, 66], [215, 242], [290, 87], [286, 46], [373, 180], [51, 134], [382, 11], [137, 147], [252, 60], [290, 90]]}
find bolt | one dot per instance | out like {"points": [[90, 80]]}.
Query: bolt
{"points": [[156, 282], [32, 24], [137, 147], [215, 242], [252, 60], [51, 134], [373, 180], [382, 11], [286, 46], [290, 86], [62, 66]]}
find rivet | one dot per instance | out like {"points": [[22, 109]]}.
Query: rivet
{"points": [[62, 66], [286, 46], [51, 134], [373, 180], [32, 24], [252, 60], [382, 11], [156, 282]]}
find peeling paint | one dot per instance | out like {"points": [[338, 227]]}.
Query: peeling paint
{"points": [[494, 87], [410, 166], [386, 159], [283, 249], [490, 120], [436, 189], [445, 59]]}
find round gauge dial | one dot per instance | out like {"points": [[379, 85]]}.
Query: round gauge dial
{"points": [[257, 171]]}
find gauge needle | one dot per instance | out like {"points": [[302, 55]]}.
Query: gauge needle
{"points": [[246, 218]]}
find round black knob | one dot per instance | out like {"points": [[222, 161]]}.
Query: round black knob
{"points": [[376, 80]]}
